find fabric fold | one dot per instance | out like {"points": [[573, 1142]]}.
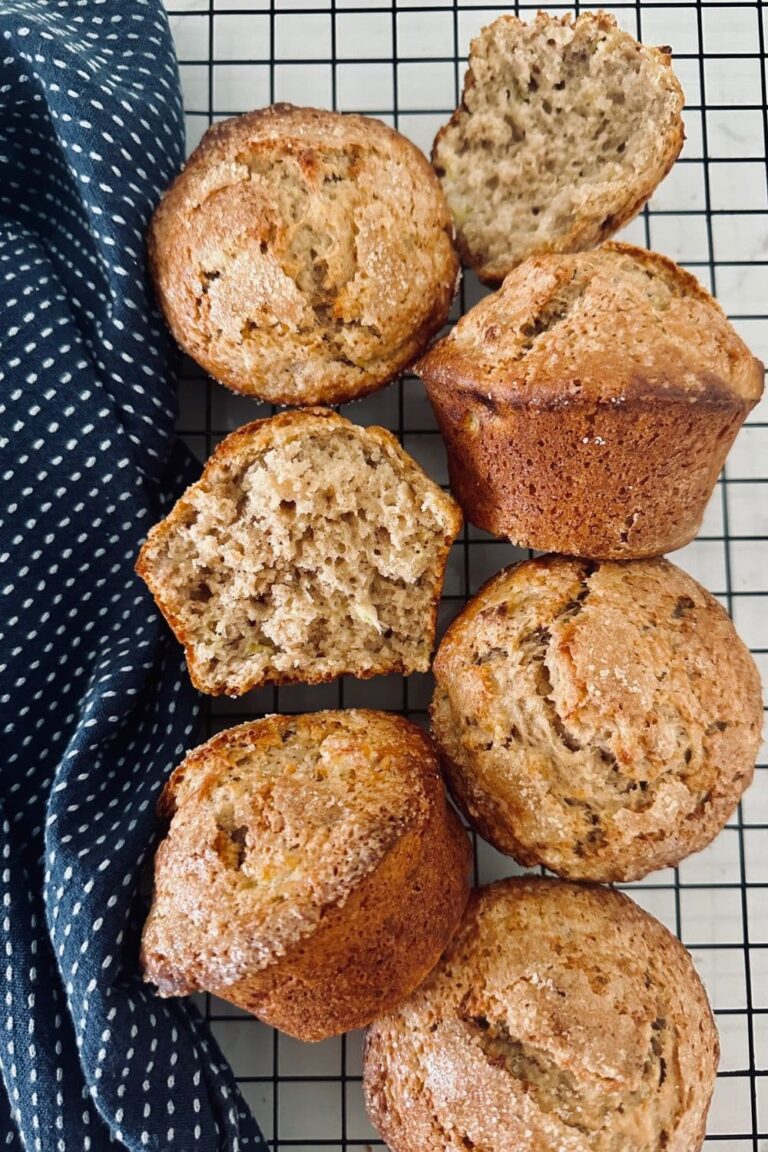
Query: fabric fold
{"points": [[95, 703]]}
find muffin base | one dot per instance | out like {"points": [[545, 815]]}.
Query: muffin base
{"points": [[619, 480]]}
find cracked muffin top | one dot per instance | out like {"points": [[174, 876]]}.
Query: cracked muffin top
{"points": [[560, 1017], [304, 256], [617, 325], [271, 825], [600, 719]]}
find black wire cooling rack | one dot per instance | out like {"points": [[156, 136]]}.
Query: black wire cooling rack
{"points": [[404, 62]]}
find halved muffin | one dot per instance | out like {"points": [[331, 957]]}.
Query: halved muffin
{"points": [[565, 128], [310, 548]]}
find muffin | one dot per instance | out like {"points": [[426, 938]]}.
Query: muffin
{"points": [[310, 548], [565, 128], [303, 256], [561, 1017], [311, 872], [588, 406], [600, 719]]}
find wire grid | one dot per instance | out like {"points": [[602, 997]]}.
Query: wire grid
{"points": [[404, 62]]}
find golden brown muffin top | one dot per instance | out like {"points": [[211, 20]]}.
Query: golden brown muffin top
{"points": [[560, 1017], [272, 823], [601, 718], [304, 256], [617, 325]]}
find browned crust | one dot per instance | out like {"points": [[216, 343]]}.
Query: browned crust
{"points": [[582, 234], [445, 364], [371, 946], [620, 468], [733, 755], [654, 854], [253, 435], [372, 953], [276, 123], [411, 1123], [599, 481]]}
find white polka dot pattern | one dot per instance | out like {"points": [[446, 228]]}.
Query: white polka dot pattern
{"points": [[95, 704]]}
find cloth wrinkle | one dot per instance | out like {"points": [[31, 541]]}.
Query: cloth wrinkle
{"points": [[96, 707]]}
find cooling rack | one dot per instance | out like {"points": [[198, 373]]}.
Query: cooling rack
{"points": [[404, 62]]}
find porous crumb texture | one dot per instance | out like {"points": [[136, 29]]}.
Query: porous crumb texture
{"points": [[589, 405], [303, 256], [311, 871], [561, 1017], [310, 548], [600, 719], [565, 129]]}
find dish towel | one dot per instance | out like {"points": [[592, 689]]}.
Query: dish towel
{"points": [[96, 706]]}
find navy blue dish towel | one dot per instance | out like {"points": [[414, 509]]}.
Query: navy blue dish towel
{"points": [[95, 705]]}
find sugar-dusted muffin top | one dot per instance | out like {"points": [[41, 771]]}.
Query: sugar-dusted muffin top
{"points": [[601, 719], [271, 824], [304, 256], [560, 1017], [620, 325]]}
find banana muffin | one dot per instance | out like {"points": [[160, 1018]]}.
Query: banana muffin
{"points": [[589, 405], [303, 256], [561, 1017], [311, 871], [310, 548], [600, 719], [565, 128]]}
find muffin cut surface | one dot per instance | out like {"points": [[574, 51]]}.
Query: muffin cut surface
{"points": [[565, 129], [304, 256], [309, 549]]}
